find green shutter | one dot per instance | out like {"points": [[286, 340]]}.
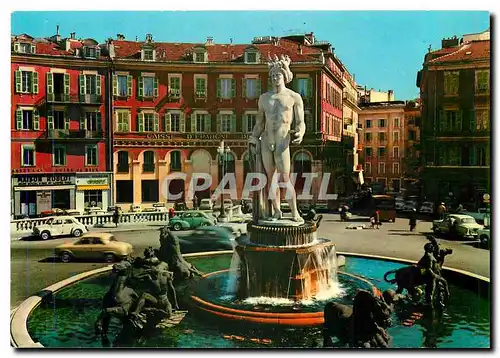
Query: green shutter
{"points": [[472, 155], [129, 86], [17, 75], [155, 86], [35, 82], [233, 123], [459, 120], [182, 126], [140, 87], [244, 88], [219, 94], [66, 119], [83, 123], [66, 83], [98, 84], [309, 88], [219, 121], [295, 85], [50, 83], [259, 88], [36, 120], [19, 119], [193, 123], [168, 122], [115, 85], [208, 126], [245, 123], [82, 84], [233, 88], [140, 122], [99, 121], [50, 119], [156, 123]]}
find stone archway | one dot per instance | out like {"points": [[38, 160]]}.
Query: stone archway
{"points": [[201, 163]]}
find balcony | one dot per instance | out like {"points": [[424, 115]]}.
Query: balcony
{"points": [[200, 95], [174, 93], [74, 98], [67, 134]]}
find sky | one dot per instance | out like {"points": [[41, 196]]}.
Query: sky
{"points": [[382, 49]]}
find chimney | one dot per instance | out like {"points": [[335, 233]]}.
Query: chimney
{"points": [[57, 30], [390, 95], [231, 41], [137, 39], [72, 35], [120, 37], [111, 49], [149, 38], [450, 42], [210, 41], [310, 37]]}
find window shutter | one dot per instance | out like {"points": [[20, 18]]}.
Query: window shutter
{"points": [[472, 120], [182, 126], [193, 123], [83, 123], [82, 84], [244, 86], [16, 47], [295, 85], [98, 84], [233, 88], [66, 119], [140, 122], [140, 87], [35, 82], [98, 52], [233, 123], [472, 155], [66, 83], [154, 55], [219, 126], [442, 120], [259, 88], [208, 127], [156, 124], [33, 48], [115, 85], [245, 123], [219, 94], [459, 120], [99, 122], [50, 83], [19, 119], [128, 124], [17, 75], [129, 86], [36, 120], [309, 87], [50, 119], [168, 122], [155, 86]]}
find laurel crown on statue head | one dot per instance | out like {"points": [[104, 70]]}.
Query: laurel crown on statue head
{"points": [[282, 64]]}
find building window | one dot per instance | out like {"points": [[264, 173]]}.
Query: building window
{"points": [[380, 152], [174, 87], [381, 168], [368, 123], [369, 152], [225, 122], [480, 156], [396, 122], [200, 122], [92, 122], [368, 137], [450, 120], [251, 87], [175, 122], [381, 123], [28, 156], [368, 168], [412, 135], [395, 136], [150, 191], [304, 87], [90, 84], [149, 122], [147, 55], [482, 119], [92, 198], [226, 88], [26, 81], [90, 52], [395, 152], [395, 168], [251, 57], [27, 119], [148, 165], [482, 81], [59, 120], [91, 155], [122, 166], [59, 155], [125, 191], [24, 47], [199, 57], [201, 87], [451, 82], [381, 137], [148, 86], [123, 121], [122, 86], [251, 120], [175, 160]]}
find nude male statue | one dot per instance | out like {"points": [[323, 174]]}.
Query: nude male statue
{"points": [[277, 109]]}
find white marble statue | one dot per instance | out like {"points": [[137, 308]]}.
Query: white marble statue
{"points": [[277, 109]]}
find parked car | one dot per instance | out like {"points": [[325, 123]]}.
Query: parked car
{"points": [[94, 211], [480, 214], [409, 205], [484, 237], [321, 206], [73, 212], [427, 208], [180, 206], [463, 226], [135, 208], [52, 212], [94, 246], [160, 207], [207, 238], [206, 204], [400, 204], [59, 226], [236, 228], [111, 209], [191, 220]]}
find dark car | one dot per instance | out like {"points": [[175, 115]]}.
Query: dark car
{"points": [[207, 238], [180, 206]]}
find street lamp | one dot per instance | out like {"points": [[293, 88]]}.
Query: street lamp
{"points": [[222, 151]]}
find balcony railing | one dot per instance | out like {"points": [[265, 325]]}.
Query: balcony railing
{"points": [[74, 98], [73, 134]]}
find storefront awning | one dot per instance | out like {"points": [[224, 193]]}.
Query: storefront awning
{"points": [[42, 188], [92, 187]]}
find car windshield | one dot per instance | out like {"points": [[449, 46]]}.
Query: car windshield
{"points": [[468, 221]]}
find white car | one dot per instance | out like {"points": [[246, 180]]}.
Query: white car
{"points": [[463, 226], [135, 208], [58, 226], [160, 207], [427, 208], [400, 204], [95, 211], [236, 228], [206, 204]]}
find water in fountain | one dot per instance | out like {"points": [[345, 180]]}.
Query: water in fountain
{"points": [[234, 276]]}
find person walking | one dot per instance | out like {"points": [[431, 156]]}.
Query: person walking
{"points": [[116, 216], [195, 202], [441, 210], [171, 213], [377, 219], [413, 219]]}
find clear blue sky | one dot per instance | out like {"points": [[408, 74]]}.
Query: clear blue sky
{"points": [[383, 49]]}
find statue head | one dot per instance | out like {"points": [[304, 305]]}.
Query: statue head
{"points": [[429, 247], [279, 69]]}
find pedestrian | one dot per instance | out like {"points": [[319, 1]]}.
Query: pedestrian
{"points": [[441, 211], [460, 209], [195, 202], [171, 213], [116, 216], [377, 219], [413, 219]]}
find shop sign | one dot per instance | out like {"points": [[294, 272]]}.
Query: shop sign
{"points": [[44, 180], [92, 181], [206, 136]]}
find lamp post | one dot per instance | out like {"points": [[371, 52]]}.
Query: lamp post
{"points": [[222, 151]]}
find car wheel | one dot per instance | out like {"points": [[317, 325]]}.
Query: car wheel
{"points": [[484, 239], [177, 226], [45, 235], [435, 230], [109, 258], [65, 256], [77, 233]]}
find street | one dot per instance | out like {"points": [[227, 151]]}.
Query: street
{"points": [[33, 267]]}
